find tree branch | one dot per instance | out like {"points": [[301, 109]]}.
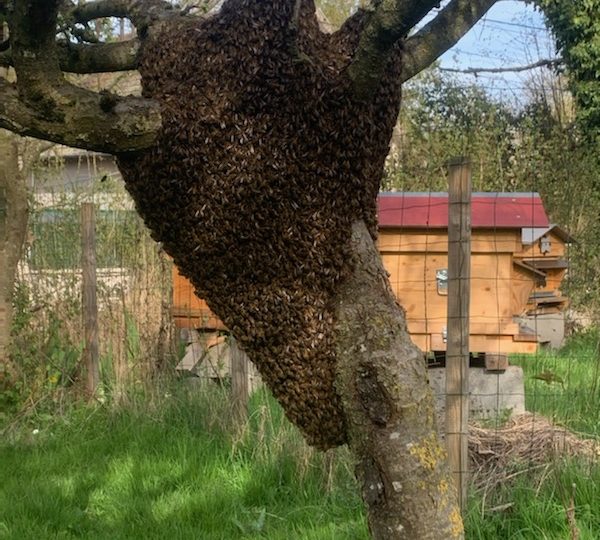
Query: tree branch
{"points": [[44, 105], [436, 37], [130, 124], [389, 21], [91, 58], [548, 62], [142, 13]]}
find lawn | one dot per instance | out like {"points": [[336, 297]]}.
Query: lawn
{"points": [[166, 466], [566, 386], [173, 472]]}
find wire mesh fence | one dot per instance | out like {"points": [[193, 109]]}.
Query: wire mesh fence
{"points": [[133, 288], [534, 340], [535, 346]]}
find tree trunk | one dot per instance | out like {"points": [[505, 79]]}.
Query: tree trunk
{"points": [[382, 380], [13, 228]]}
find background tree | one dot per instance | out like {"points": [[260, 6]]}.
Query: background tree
{"points": [[442, 115], [576, 27], [542, 147], [13, 229]]}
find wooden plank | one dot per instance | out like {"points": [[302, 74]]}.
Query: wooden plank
{"points": [[496, 361], [239, 383], [554, 279], [457, 352], [89, 297], [194, 353], [523, 284], [430, 241], [188, 310], [502, 327], [479, 343], [413, 279], [557, 249], [491, 284], [198, 319]]}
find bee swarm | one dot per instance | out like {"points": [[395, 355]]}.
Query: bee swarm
{"points": [[264, 161]]}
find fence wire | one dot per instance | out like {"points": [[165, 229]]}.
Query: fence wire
{"points": [[133, 286], [529, 419]]}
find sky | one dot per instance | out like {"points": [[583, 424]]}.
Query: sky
{"points": [[511, 34]]}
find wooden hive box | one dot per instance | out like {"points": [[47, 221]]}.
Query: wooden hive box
{"points": [[507, 272], [510, 276]]}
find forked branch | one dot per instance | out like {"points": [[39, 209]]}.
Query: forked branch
{"points": [[388, 22], [43, 104], [142, 13], [130, 124]]}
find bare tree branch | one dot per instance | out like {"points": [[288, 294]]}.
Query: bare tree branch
{"points": [[548, 62], [389, 22], [142, 13], [436, 37], [99, 57], [43, 104], [91, 58]]}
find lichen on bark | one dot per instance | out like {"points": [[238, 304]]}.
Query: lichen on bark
{"points": [[400, 462]]}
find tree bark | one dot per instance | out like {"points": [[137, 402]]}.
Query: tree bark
{"points": [[91, 57], [382, 380], [44, 104], [13, 228]]}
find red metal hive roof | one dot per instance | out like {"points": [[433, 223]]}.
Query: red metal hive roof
{"points": [[489, 210]]}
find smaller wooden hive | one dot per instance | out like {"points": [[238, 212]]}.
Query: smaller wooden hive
{"points": [[517, 265]]}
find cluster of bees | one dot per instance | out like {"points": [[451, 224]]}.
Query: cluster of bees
{"points": [[264, 161]]}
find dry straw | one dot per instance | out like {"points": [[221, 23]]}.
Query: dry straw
{"points": [[527, 441]]}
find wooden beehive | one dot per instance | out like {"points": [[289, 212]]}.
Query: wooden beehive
{"points": [[517, 266]]}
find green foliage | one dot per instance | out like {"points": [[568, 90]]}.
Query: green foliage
{"points": [[166, 466], [576, 27], [57, 237], [46, 357], [442, 118], [47, 325], [534, 506], [132, 337]]}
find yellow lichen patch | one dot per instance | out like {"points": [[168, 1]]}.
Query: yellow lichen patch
{"points": [[429, 452], [443, 487], [456, 523]]}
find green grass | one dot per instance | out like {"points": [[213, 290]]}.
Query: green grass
{"points": [[165, 466], [172, 472], [571, 396], [533, 507]]}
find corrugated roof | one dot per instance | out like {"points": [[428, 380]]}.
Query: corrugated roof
{"points": [[489, 210]]}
